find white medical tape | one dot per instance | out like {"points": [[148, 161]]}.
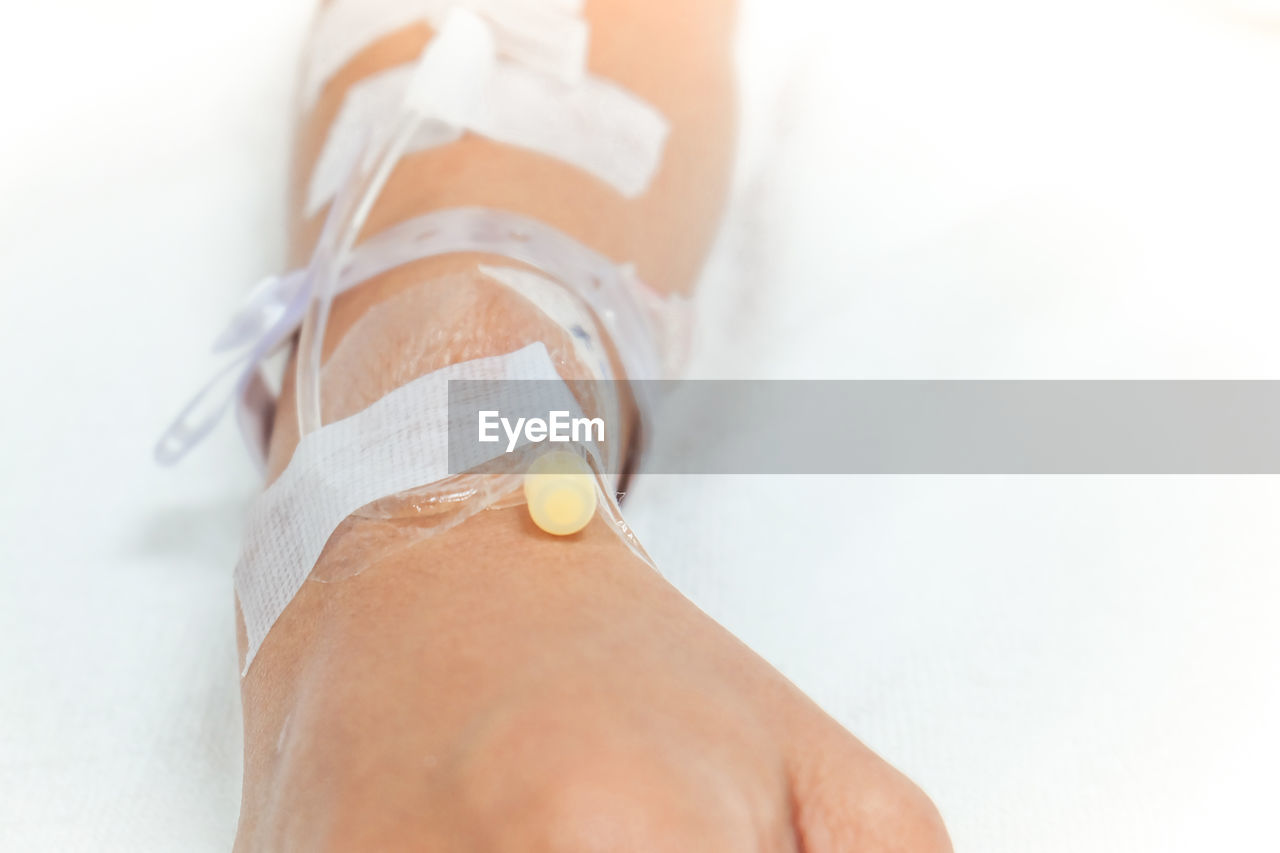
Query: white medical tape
{"points": [[451, 74], [401, 442], [596, 126], [546, 35]]}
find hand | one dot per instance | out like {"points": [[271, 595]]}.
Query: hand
{"points": [[494, 688]]}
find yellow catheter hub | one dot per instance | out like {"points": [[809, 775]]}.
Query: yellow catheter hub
{"points": [[561, 492]]}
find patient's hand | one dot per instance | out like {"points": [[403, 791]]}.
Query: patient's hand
{"points": [[495, 688]]}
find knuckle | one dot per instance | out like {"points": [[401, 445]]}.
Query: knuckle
{"points": [[875, 811], [592, 807], [915, 824], [537, 786], [583, 815]]}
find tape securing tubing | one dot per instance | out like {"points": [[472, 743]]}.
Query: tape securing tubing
{"points": [[401, 442], [595, 126], [548, 36], [630, 311]]}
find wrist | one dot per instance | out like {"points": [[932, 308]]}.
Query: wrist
{"points": [[494, 559]]}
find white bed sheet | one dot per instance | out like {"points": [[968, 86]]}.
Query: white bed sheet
{"points": [[927, 189]]}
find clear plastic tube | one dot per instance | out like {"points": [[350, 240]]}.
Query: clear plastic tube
{"points": [[346, 219]]}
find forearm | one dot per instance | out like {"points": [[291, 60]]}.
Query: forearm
{"points": [[676, 56]]}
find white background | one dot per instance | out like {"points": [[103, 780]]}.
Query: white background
{"points": [[995, 188]]}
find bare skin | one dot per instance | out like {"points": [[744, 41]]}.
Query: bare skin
{"points": [[494, 688]]}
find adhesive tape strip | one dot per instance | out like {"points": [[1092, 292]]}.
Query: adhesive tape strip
{"points": [[400, 442], [547, 36], [596, 126]]}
